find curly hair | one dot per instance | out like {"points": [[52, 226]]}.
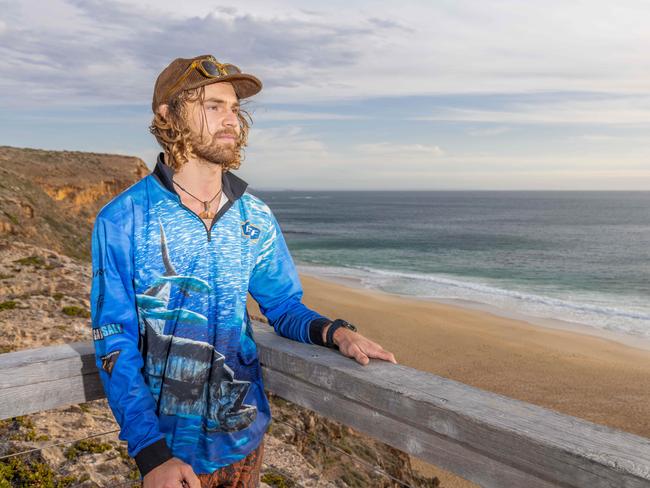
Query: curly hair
{"points": [[174, 135]]}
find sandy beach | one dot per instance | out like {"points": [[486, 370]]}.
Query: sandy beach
{"points": [[590, 377]]}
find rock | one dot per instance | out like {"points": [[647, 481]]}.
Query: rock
{"points": [[51, 198]]}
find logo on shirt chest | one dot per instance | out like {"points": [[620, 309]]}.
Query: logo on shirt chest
{"points": [[250, 231]]}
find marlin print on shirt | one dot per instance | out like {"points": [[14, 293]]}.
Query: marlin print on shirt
{"points": [[186, 376]]}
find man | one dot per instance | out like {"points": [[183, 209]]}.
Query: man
{"points": [[174, 256]]}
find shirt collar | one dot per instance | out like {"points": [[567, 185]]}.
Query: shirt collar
{"points": [[233, 186]]}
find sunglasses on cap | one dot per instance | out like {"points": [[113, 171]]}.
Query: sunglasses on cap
{"points": [[208, 67]]}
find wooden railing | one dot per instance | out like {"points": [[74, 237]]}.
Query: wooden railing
{"points": [[487, 438]]}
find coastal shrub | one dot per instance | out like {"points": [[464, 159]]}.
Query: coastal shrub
{"points": [[12, 218], [86, 446], [8, 305], [74, 311], [354, 479], [276, 480], [24, 430], [35, 261], [134, 472], [19, 472]]}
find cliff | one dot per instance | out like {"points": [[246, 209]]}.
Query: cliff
{"points": [[50, 198]]}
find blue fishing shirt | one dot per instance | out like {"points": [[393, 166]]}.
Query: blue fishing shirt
{"points": [[173, 340]]}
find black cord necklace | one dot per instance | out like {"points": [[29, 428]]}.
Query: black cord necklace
{"points": [[206, 203]]}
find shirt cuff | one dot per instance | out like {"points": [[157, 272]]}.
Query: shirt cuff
{"points": [[152, 456], [316, 327]]}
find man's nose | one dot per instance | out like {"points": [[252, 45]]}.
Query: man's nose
{"points": [[231, 120]]}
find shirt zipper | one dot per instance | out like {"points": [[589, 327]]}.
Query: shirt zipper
{"points": [[208, 230]]}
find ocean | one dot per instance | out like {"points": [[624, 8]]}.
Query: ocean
{"points": [[580, 257]]}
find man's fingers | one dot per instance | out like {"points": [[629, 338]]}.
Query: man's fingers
{"points": [[362, 349], [376, 351], [388, 356], [190, 478], [359, 355]]}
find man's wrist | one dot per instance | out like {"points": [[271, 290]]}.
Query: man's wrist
{"points": [[336, 337], [333, 337], [316, 334], [152, 456]]}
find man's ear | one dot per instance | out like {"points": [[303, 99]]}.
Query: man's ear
{"points": [[163, 110]]}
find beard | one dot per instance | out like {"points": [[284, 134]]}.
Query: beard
{"points": [[225, 153]]}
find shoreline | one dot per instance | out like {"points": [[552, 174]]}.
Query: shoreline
{"points": [[581, 375], [628, 340], [585, 376]]}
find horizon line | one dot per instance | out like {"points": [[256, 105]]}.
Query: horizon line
{"points": [[455, 190]]}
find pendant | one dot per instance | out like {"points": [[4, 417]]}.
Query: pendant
{"points": [[206, 214]]}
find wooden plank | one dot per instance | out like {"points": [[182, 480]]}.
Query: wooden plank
{"points": [[437, 449], [543, 443], [488, 438], [30, 366], [33, 380], [45, 396]]}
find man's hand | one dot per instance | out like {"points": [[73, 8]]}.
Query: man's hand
{"points": [[173, 473], [354, 345]]}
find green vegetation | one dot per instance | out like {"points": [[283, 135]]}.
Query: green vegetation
{"points": [[276, 480], [124, 453], [353, 479], [16, 472], [57, 296], [74, 311], [35, 261], [134, 473], [86, 446], [7, 305], [26, 423], [29, 470], [11, 217]]}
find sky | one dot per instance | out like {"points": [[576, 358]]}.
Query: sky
{"points": [[357, 94]]}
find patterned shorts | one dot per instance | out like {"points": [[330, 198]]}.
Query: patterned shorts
{"points": [[244, 473]]}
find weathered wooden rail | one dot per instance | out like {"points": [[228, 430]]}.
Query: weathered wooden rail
{"points": [[487, 438]]}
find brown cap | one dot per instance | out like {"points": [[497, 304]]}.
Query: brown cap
{"points": [[245, 85]]}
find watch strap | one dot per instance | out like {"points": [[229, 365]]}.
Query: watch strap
{"points": [[316, 330], [329, 342]]}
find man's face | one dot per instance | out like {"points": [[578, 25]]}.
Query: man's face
{"points": [[218, 142]]}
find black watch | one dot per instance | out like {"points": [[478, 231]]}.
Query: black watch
{"points": [[329, 338]]}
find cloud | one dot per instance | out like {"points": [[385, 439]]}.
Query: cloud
{"points": [[489, 131], [284, 115], [111, 51], [557, 77], [80, 51], [602, 110], [282, 146], [403, 150]]}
